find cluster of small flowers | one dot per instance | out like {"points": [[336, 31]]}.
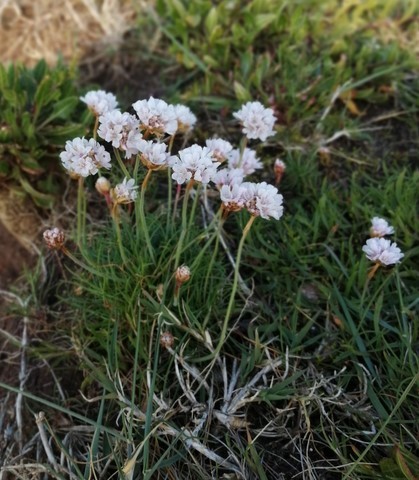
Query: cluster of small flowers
{"points": [[379, 249], [130, 134]]}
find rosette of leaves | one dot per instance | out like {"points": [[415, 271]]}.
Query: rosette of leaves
{"points": [[39, 111]]}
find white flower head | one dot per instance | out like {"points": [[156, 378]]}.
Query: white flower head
{"points": [[100, 102], [185, 118], [262, 200], [156, 116], [125, 192], [220, 148], [154, 155], [232, 197], [257, 120], [381, 250], [122, 130], [249, 162], [380, 227], [84, 157], [228, 176], [196, 163]]}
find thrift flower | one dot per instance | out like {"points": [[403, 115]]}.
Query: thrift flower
{"points": [[220, 148], [84, 157], [257, 120], [382, 251], [260, 199], [185, 118], [182, 274], [156, 116], [100, 102], [54, 238], [154, 155], [228, 176], [122, 130], [195, 163], [380, 227], [125, 192], [232, 197], [249, 162]]}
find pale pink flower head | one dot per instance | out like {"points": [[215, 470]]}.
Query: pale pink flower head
{"points": [[232, 197], [156, 116], [262, 200], [122, 130], [154, 155], [100, 102], [185, 118], [248, 162], [194, 162], [220, 148], [82, 157], [228, 176], [125, 192], [382, 251], [380, 227], [257, 120]]}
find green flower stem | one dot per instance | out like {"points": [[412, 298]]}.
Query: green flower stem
{"points": [[213, 257], [137, 165], [81, 211], [243, 145], [140, 214], [184, 222], [115, 217], [169, 198], [235, 283], [194, 205], [121, 163]]}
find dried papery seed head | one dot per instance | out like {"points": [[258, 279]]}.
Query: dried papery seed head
{"points": [[182, 275], [103, 186], [167, 340], [54, 238]]}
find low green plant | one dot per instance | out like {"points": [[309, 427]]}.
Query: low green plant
{"points": [[276, 341], [38, 113], [274, 49]]}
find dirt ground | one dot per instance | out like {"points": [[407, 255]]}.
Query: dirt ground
{"points": [[13, 258]]}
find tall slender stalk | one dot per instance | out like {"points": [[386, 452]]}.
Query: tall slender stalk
{"points": [[121, 163], [115, 217], [235, 283], [141, 220], [184, 223], [81, 211]]}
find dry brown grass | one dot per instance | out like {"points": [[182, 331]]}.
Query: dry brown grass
{"points": [[34, 29]]}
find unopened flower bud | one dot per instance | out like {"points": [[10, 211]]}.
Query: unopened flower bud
{"points": [[103, 185], [279, 169], [54, 238], [182, 275], [167, 340]]}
